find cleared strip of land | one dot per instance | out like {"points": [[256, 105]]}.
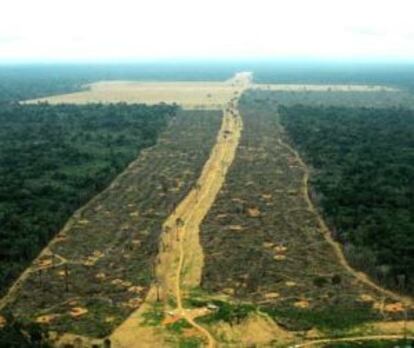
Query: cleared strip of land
{"points": [[180, 262], [264, 244], [268, 274], [189, 95], [99, 268], [323, 88]]}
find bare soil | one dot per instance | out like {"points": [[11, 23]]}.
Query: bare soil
{"points": [[189, 95]]}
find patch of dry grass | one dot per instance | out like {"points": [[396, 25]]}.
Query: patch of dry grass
{"points": [[189, 95], [323, 88]]}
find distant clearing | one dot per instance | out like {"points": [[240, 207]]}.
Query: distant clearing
{"points": [[189, 95], [324, 88], [212, 237]]}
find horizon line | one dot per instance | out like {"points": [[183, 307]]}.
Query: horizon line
{"points": [[209, 60]]}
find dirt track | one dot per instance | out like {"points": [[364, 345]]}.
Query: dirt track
{"points": [[181, 258], [362, 277], [180, 261]]}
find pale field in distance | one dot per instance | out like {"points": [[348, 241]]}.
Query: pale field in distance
{"points": [[189, 95], [323, 88]]}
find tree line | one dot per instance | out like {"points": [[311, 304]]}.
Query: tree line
{"points": [[53, 159], [362, 161]]}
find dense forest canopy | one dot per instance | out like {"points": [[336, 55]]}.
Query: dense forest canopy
{"points": [[55, 158], [311, 72], [376, 99], [363, 160]]}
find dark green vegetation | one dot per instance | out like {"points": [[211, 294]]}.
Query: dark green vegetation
{"points": [[377, 99], [55, 158], [314, 72], [18, 335], [190, 342], [232, 313], [263, 244], [178, 326], [104, 259], [29, 82], [327, 318], [363, 160]]}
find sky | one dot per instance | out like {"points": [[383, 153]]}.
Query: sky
{"points": [[130, 30]]}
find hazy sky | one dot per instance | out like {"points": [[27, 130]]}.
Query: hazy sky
{"points": [[138, 29]]}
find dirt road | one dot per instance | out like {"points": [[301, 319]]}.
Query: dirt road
{"points": [[181, 259], [180, 262]]}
